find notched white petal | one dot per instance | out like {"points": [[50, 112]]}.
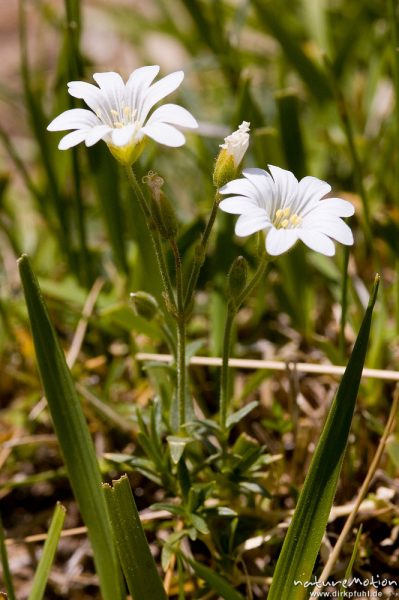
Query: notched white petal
{"points": [[249, 223], [109, 81], [174, 115], [337, 206], [96, 134], [76, 118], [237, 205], [122, 136], [72, 139], [164, 134], [315, 240], [159, 90], [279, 241]]}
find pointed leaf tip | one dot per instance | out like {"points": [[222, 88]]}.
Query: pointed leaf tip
{"points": [[374, 291]]}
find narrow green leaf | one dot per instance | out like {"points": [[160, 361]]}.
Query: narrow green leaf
{"points": [[138, 565], [73, 434], [47, 557], [236, 417], [217, 583], [5, 566], [302, 542], [349, 568]]}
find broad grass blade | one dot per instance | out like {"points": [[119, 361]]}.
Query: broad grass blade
{"points": [[73, 435], [47, 557], [302, 542], [138, 565]]}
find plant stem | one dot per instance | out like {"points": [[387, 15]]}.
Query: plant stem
{"points": [[232, 309], [224, 376], [200, 253], [181, 336], [344, 301], [141, 199]]}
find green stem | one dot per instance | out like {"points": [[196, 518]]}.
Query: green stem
{"points": [[141, 199], [344, 301], [224, 376], [181, 336], [200, 253], [232, 309]]}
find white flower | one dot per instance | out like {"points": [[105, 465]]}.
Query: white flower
{"points": [[287, 210], [119, 113], [236, 144]]}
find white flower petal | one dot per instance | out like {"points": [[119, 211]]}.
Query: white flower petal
{"points": [[76, 118], [96, 134], [251, 222], [159, 90], [237, 205], [174, 115], [279, 241], [286, 185], [333, 227], [122, 135], [310, 191], [109, 81], [137, 85], [142, 77], [317, 241], [88, 92], [238, 186], [164, 134], [266, 189], [72, 139], [336, 206]]}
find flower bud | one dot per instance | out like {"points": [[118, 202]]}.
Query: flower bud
{"points": [[162, 211], [231, 155], [144, 305], [237, 277]]}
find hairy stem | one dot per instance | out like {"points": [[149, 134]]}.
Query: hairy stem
{"points": [[141, 199], [232, 309], [200, 253], [181, 337]]}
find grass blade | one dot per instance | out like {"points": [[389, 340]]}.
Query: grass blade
{"points": [[47, 557], [304, 535], [138, 565], [5, 566], [73, 434]]}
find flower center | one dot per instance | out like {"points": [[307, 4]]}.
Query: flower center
{"points": [[118, 118], [283, 219]]}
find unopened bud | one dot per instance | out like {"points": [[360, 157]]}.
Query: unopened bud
{"points": [[231, 155], [237, 277], [144, 305], [162, 211]]}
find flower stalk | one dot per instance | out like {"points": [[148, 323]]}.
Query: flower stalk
{"points": [[233, 307], [181, 336], [155, 238], [200, 253]]}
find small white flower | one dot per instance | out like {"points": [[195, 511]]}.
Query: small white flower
{"points": [[236, 144], [119, 113], [287, 210]]}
